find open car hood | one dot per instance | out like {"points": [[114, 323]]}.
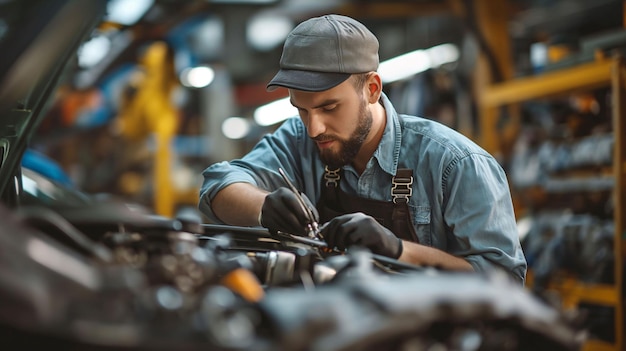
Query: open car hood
{"points": [[38, 39]]}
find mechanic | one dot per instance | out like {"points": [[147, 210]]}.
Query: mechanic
{"points": [[401, 186]]}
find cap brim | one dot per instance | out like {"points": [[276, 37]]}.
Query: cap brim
{"points": [[306, 80]]}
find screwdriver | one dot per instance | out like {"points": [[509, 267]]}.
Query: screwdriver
{"points": [[312, 227]]}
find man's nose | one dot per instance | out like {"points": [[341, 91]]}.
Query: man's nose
{"points": [[315, 125]]}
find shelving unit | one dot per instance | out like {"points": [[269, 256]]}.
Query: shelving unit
{"points": [[599, 74]]}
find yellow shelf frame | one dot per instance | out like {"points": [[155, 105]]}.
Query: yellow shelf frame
{"points": [[597, 345], [604, 72], [572, 292], [586, 76]]}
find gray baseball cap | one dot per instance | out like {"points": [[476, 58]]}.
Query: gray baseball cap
{"points": [[322, 52]]}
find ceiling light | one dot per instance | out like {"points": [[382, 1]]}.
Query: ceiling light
{"points": [[409, 64], [274, 112], [266, 32], [127, 12], [197, 77], [93, 51], [235, 127]]}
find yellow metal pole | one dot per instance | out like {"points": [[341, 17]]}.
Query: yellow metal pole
{"points": [[619, 165], [491, 18]]}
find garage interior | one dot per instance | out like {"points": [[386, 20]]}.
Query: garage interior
{"points": [[154, 98]]}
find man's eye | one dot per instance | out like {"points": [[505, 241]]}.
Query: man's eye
{"points": [[330, 108]]}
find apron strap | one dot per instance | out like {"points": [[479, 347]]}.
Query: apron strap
{"points": [[402, 189]]}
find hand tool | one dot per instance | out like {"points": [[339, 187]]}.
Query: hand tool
{"points": [[312, 227]]}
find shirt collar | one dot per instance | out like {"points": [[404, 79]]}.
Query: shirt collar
{"points": [[388, 150]]}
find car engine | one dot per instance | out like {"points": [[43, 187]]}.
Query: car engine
{"points": [[112, 276]]}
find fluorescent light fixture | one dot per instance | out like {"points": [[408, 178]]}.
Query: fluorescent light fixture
{"points": [[119, 42], [265, 32], [409, 64], [442, 54], [235, 127], [403, 66], [274, 112], [397, 68], [93, 51], [127, 12], [197, 77]]}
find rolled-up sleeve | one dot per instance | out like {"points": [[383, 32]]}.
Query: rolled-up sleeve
{"points": [[258, 167], [479, 212]]}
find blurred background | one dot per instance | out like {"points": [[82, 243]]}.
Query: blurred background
{"points": [[163, 88]]}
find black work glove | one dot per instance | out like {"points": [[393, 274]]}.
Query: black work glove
{"points": [[282, 211], [359, 229]]}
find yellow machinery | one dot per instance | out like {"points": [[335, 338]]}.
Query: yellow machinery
{"points": [[148, 112]]}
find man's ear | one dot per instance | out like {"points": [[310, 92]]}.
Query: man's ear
{"points": [[374, 87]]}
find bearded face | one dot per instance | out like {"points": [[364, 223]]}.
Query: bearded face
{"points": [[347, 148]]}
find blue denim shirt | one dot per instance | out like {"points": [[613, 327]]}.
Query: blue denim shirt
{"points": [[461, 202]]}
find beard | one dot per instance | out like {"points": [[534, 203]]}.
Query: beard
{"points": [[348, 148]]}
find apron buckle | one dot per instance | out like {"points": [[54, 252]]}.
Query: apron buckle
{"points": [[332, 176], [401, 190]]}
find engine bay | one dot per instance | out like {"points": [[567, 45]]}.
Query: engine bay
{"points": [[110, 276]]}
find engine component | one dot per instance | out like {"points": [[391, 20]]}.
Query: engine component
{"points": [[231, 288]]}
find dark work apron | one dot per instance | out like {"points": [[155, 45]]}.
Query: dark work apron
{"points": [[394, 215]]}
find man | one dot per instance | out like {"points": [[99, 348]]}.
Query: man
{"points": [[401, 186]]}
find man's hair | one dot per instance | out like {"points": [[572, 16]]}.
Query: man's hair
{"points": [[358, 81]]}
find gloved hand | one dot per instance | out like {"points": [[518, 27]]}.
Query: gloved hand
{"points": [[361, 230], [282, 211]]}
